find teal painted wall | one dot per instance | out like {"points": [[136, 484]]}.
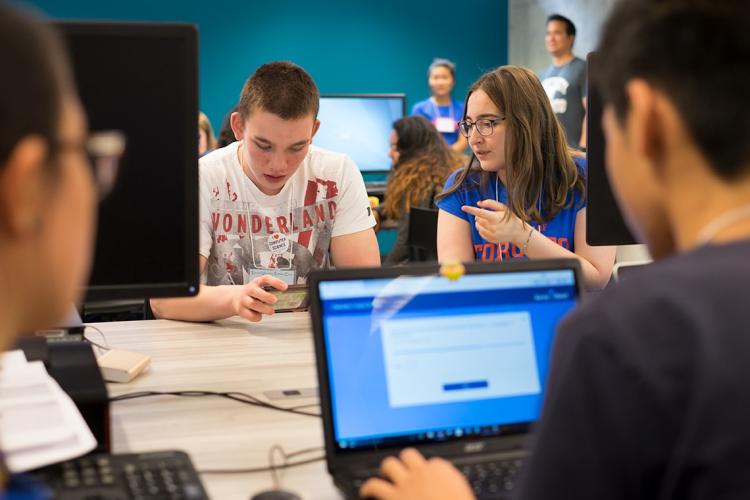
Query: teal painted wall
{"points": [[355, 46]]}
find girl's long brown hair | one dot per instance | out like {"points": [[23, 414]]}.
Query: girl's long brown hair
{"points": [[540, 169], [425, 162]]}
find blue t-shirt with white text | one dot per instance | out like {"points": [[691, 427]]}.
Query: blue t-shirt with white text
{"points": [[561, 229]]}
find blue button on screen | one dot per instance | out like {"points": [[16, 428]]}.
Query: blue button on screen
{"points": [[460, 386]]}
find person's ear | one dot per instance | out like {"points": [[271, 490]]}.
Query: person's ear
{"points": [[646, 124], [238, 125], [316, 127], [22, 182]]}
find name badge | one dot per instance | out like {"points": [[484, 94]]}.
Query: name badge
{"points": [[288, 276], [445, 124]]}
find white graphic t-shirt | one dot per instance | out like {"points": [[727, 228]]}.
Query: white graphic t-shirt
{"points": [[245, 233]]}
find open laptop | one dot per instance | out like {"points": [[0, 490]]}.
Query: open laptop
{"points": [[457, 369]]}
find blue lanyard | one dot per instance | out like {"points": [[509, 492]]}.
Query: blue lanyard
{"points": [[437, 109]]}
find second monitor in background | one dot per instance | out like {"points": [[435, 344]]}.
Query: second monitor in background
{"points": [[360, 125]]}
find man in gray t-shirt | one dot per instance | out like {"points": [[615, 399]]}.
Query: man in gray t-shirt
{"points": [[565, 80]]}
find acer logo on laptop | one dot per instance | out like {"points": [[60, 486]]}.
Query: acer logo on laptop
{"points": [[474, 447]]}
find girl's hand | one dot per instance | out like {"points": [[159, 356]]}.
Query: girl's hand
{"points": [[492, 226]]}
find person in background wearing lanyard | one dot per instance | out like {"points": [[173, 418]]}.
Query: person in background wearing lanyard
{"points": [[47, 193], [647, 395], [274, 207], [441, 109], [522, 194]]}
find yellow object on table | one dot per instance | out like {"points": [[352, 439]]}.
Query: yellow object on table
{"points": [[452, 270]]}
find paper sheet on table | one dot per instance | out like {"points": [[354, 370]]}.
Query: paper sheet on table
{"points": [[39, 423]]}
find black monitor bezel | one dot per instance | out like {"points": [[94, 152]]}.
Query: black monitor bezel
{"points": [[334, 452], [400, 96], [189, 286], [600, 231]]}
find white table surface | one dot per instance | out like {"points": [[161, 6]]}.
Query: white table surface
{"points": [[229, 355]]}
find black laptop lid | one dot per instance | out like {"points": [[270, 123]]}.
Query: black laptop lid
{"points": [[409, 357]]}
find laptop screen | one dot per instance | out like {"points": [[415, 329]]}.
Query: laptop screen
{"points": [[416, 359]]}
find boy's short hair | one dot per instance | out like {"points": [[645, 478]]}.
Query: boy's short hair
{"points": [[281, 88], [570, 28], [31, 88], [697, 52]]}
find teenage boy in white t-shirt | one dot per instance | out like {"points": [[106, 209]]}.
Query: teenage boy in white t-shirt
{"points": [[273, 207]]}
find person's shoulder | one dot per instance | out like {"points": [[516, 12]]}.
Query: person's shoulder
{"points": [[471, 181], [328, 163], [451, 180], [626, 302], [218, 160], [578, 65], [625, 319], [468, 191], [420, 107], [546, 72], [321, 156], [680, 299]]}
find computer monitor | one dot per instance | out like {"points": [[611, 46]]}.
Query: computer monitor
{"points": [[142, 79], [360, 125], [604, 222]]}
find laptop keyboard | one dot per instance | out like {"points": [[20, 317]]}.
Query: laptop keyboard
{"points": [[493, 479]]}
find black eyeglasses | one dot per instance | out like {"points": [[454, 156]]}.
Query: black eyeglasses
{"points": [[104, 151], [484, 126]]}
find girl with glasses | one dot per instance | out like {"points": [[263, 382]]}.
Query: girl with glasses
{"points": [[522, 194]]}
